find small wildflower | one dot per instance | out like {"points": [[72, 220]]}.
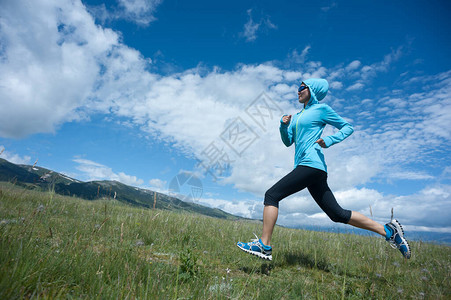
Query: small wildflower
{"points": [[378, 275], [139, 243], [228, 270], [425, 270], [9, 221], [99, 271], [222, 287], [41, 208], [400, 291], [424, 278]]}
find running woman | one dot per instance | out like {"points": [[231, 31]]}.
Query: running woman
{"points": [[304, 130]]}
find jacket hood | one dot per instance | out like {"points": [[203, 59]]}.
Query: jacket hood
{"points": [[318, 89]]}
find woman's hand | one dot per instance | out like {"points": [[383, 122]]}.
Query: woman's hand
{"points": [[321, 143], [286, 119]]}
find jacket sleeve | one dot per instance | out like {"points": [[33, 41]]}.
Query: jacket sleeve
{"points": [[344, 128], [286, 132]]}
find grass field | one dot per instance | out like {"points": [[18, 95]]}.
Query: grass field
{"points": [[60, 247]]}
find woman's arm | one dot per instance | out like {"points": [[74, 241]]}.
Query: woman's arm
{"points": [[332, 118], [286, 131]]}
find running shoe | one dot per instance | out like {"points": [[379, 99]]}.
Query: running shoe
{"points": [[396, 239], [256, 247]]}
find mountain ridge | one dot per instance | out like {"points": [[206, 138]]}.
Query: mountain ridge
{"points": [[36, 177]]}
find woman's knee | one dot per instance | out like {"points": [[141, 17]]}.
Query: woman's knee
{"points": [[341, 216], [270, 199]]}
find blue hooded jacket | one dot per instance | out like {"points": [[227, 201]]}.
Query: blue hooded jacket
{"points": [[307, 126]]}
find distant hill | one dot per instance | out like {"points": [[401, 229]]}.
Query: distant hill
{"points": [[35, 177]]}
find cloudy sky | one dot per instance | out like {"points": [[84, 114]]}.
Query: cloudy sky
{"points": [[141, 91]]}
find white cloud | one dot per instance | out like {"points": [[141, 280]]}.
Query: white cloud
{"points": [[355, 86], [353, 65], [430, 229], [157, 184], [329, 7], [336, 85], [409, 133], [95, 171], [446, 172], [300, 58], [243, 208], [251, 28], [428, 208], [13, 157], [354, 70], [139, 11], [410, 175], [49, 64], [101, 13], [269, 24], [369, 72]]}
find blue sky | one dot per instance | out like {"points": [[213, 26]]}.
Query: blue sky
{"points": [[139, 91]]}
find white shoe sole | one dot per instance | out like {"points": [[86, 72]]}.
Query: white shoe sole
{"points": [[398, 227], [259, 254], [401, 234]]}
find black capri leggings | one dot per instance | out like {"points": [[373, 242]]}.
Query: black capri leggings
{"points": [[316, 182]]}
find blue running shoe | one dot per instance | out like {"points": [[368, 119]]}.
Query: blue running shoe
{"points": [[256, 247], [395, 236]]}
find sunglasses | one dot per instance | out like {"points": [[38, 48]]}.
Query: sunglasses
{"points": [[301, 88]]}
